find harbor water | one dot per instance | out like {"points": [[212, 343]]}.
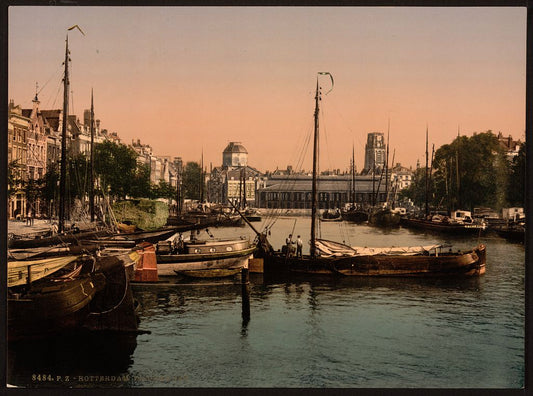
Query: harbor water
{"points": [[309, 332]]}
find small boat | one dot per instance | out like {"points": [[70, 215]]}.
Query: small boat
{"points": [[333, 258], [252, 215], [57, 303], [178, 255], [155, 235], [50, 240], [328, 215], [210, 273], [353, 214], [22, 272], [512, 232], [441, 223], [384, 217]]}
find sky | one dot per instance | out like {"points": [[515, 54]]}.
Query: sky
{"points": [[189, 80]]}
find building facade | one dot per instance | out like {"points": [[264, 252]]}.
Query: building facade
{"points": [[18, 128], [295, 192], [235, 180]]}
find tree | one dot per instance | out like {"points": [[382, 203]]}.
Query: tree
{"points": [[163, 190], [14, 177], [192, 180], [469, 172], [115, 165], [50, 189], [140, 185], [515, 192]]}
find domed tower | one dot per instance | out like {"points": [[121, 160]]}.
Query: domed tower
{"points": [[235, 155]]}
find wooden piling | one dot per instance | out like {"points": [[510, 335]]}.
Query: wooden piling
{"points": [[245, 291]]}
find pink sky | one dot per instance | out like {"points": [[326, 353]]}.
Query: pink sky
{"points": [[187, 79]]}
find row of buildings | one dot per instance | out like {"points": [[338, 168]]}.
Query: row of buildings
{"points": [[292, 190], [34, 145]]}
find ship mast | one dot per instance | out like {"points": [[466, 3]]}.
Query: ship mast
{"points": [[353, 177], [62, 179], [91, 171], [315, 176], [387, 164], [427, 181]]}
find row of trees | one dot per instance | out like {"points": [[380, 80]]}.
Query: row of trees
{"points": [[119, 173], [471, 172]]}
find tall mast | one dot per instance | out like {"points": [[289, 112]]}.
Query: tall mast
{"points": [[314, 185], [458, 180], [374, 182], [241, 177], [244, 187], [202, 179], [178, 189], [91, 171], [62, 179], [353, 176], [427, 202], [387, 163]]}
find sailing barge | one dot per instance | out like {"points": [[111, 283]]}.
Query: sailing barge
{"points": [[333, 258]]}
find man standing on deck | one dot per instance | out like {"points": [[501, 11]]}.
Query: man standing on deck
{"points": [[289, 244], [299, 246]]}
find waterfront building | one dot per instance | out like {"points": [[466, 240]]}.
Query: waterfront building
{"points": [[147, 157], [18, 127], [51, 120], [234, 177], [375, 153], [81, 137], [401, 177], [294, 192], [36, 142]]}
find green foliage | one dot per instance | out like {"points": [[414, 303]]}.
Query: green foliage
{"points": [[116, 165], [140, 184], [192, 179], [50, 189], [14, 177], [144, 213], [469, 172], [517, 179], [163, 190], [77, 176]]}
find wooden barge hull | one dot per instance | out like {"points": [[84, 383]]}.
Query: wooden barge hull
{"points": [[441, 227], [168, 265], [470, 263], [55, 240], [52, 309], [355, 216]]}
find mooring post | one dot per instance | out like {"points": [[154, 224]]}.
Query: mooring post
{"points": [[245, 283]]}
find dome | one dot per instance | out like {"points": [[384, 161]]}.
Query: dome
{"points": [[235, 147]]}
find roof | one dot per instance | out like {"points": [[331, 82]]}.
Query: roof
{"points": [[362, 185], [235, 147]]}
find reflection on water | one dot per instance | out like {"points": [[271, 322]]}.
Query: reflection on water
{"points": [[317, 331]]}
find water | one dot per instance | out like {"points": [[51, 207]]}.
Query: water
{"points": [[313, 332]]}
